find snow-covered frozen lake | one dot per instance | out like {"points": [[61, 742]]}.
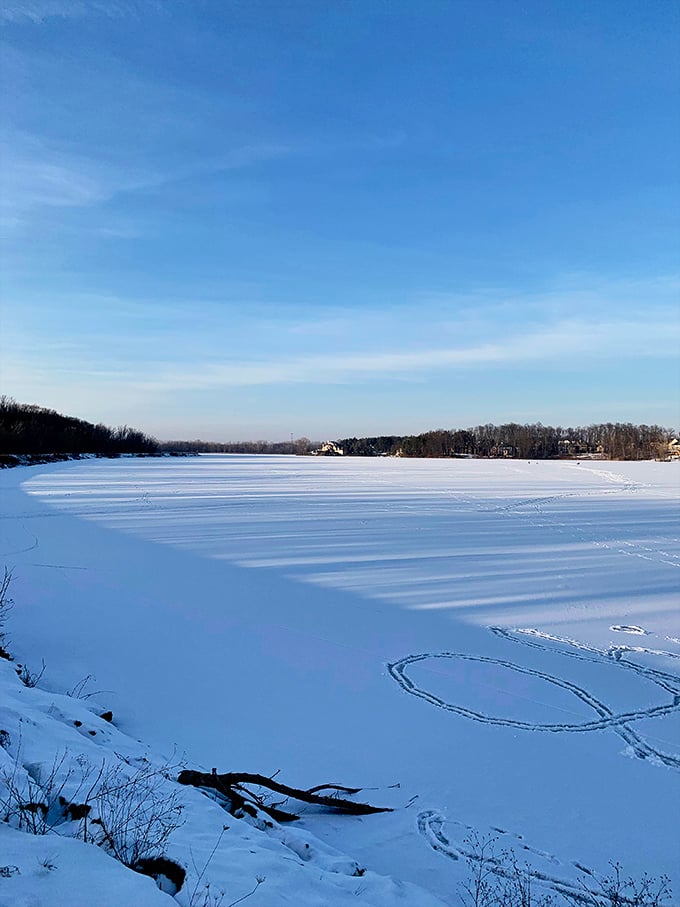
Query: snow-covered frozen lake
{"points": [[493, 646]]}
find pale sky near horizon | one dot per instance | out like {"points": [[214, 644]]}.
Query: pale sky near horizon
{"points": [[237, 220]]}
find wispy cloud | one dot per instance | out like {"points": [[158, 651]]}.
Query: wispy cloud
{"points": [[138, 378], [111, 358], [566, 343], [30, 181], [38, 11], [562, 343], [36, 175]]}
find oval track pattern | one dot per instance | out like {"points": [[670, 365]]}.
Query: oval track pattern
{"points": [[620, 722]]}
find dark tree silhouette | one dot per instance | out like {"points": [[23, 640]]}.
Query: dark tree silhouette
{"points": [[620, 441], [29, 429]]}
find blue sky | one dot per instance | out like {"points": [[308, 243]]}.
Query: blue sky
{"points": [[341, 217]]}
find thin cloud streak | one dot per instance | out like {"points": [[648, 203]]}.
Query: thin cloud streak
{"points": [[30, 183], [565, 342], [36, 176], [38, 11]]}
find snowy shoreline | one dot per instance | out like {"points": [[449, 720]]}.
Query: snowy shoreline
{"points": [[54, 746]]}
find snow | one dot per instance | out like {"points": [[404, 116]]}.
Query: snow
{"points": [[488, 646], [57, 870]]}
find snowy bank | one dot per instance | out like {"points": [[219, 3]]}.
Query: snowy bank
{"points": [[55, 752]]}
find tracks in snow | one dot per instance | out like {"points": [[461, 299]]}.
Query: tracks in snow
{"points": [[620, 723], [532, 508], [461, 842], [431, 822]]}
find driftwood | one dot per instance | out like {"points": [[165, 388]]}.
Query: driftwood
{"points": [[231, 786]]}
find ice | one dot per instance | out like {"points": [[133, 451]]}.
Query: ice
{"points": [[252, 610]]}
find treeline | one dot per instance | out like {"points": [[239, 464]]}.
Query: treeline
{"points": [[298, 446], [614, 441], [29, 429], [26, 429]]}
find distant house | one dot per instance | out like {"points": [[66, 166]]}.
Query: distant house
{"points": [[577, 448], [674, 449], [329, 449], [503, 450], [597, 454]]}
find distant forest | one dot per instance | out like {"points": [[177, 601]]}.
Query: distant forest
{"points": [[614, 441], [26, 429], [298, 446], [29, 429]]}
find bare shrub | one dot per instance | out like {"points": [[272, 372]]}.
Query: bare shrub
{"points": [[497, 879], [129, 813], [136, 813], [258, 881], [31, 799], [30, 678], [6, 605], [614, 890], [203, 895], [479, 889], [517, 888], [80, 691]]}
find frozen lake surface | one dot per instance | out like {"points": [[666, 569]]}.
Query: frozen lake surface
{"points": [[493, 646]]}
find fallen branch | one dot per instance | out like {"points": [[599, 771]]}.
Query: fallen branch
{"points": [[230, 785], [340, 787]]}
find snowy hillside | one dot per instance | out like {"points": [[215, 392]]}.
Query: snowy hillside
{"points": [[485, 647], [58, 751]]}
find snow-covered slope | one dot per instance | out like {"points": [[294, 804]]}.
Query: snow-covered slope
{"points": [[56, 749], [490, 646]]}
